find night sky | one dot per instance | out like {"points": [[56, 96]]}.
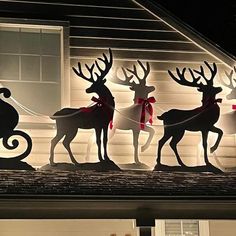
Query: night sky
{"points": [[216, 20]]}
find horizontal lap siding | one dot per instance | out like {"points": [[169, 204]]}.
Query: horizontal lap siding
{"points": [[142, 45], [132, 33], [145, 55], [155, 65]]}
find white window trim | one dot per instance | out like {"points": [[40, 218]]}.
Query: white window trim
{"points": [[65, 62], [203, 228]]}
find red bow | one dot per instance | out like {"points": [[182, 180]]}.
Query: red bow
{"points": [[234, 107], [146, 105]]}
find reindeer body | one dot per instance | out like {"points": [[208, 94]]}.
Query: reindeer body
{"points": [[129, 118], [133, 113], [202, 119], [82, 119], [191, 120], [98, 116]]}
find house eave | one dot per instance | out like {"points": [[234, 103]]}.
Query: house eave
{"points": [[159, 12], [45, 208]]}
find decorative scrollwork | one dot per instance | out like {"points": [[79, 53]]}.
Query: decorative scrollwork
{"points": [[15, 143], [9, 119]]}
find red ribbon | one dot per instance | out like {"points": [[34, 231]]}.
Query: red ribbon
{"points": [[99, 101], [146, 106], [209, 102], [234, 107]]}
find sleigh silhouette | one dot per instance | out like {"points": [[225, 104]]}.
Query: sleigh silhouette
{"points": [[9, 119]]}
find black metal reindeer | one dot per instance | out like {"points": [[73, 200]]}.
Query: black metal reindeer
{"points": [[9, 119], [200, 119], [97, 117]]}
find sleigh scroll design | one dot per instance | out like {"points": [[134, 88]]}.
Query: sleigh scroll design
{"points": [[9, 119]]}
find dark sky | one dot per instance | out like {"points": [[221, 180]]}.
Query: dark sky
{"points": [[215, 19]]}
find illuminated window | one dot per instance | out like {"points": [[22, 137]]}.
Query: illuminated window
{"points": [[31, 59], [182, 228]]}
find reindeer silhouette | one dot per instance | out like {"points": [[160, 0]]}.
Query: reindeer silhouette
{"points": [[97, 117], [228, 120], [200, 119], [140, 112], [232, 94]]}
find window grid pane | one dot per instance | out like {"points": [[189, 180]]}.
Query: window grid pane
{"points": [[30, 66], [190, 228], [181, 228], [22, 43], [173, 228]]}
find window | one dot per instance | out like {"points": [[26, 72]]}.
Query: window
{"points": [[182, 228], [31, 59]]}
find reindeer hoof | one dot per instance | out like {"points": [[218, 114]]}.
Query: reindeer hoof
{"points": [[213, 169], [143, 148], [52, 163], [138, 163], [75, 163], [183, 165], [212, 149]]}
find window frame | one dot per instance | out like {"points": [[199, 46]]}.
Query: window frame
{"points": [[202, 224], [65, 62]]}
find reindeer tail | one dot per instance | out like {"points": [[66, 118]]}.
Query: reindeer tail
{"points": [[160, 117]]}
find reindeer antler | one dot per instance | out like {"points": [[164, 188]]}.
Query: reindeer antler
{"points": [[231, 79], [108, 64], [81, 74], [116, 79], [213, 71], [105, 60], [182, 80], [146, 71], [133, 72]]}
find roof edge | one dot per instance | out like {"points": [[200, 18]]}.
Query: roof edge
{"points": [[158, 11]]}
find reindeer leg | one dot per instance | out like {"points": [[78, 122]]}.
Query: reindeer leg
{"points": [[135, 144], [151, 132], [112, 132], [54, 142], [105, 130], [98, 141], [161, 143], [204, 144], [66, 142], [173, 144], [220, 134], [91, 141]]}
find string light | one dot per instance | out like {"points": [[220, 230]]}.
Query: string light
{"points": [[31, 112]]}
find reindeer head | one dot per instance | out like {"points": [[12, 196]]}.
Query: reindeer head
{"points": [[232, 94], [100, 81], [206, 88], [140, 87]]}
